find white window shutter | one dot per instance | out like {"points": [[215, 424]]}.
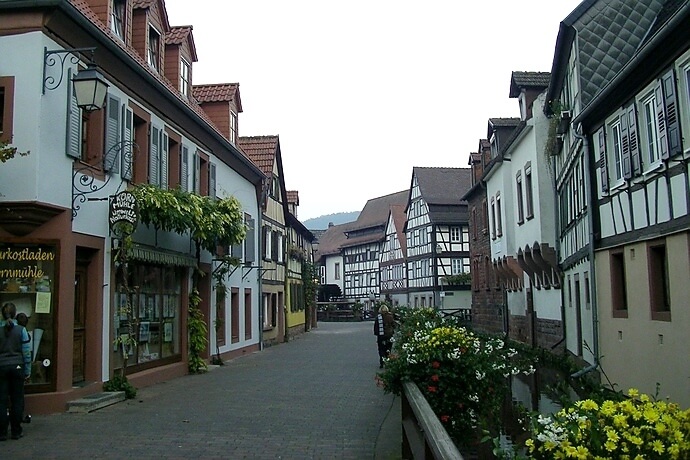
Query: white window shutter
{"points": [[250, 242], [197, 174]]}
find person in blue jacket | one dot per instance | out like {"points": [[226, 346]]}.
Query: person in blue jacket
{"points": [[15, 370]]}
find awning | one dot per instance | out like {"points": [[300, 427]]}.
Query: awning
{"points": [[156, 256]]}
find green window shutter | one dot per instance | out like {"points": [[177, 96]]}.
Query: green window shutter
{"points": [[600, 145], [127, 138], [184, 168], [111, 160], [154, 155], [73, 145], [668, 83], [164, 160]]}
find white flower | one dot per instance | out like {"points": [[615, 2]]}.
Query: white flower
{"points": [[479, 375]]}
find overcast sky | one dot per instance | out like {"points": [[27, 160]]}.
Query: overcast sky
{"points": [[361, 91]]}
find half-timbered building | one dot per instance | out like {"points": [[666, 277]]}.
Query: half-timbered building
{"points": [[437, 233], [361, 250], [635, 129], [393, 263], [264, 151]]}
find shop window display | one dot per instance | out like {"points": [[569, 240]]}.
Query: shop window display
{"points": [[156, 300], [28, 279]]}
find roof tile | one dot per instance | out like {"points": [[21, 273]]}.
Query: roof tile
{"points": [[261, 150]]}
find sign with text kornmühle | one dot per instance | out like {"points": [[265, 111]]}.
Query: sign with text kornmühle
{"points": [[123, 209]]}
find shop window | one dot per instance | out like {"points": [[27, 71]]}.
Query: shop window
{"points": [[28, 279], [156, 304]]}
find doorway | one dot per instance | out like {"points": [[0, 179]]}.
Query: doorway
{"points": [[79, 329]]}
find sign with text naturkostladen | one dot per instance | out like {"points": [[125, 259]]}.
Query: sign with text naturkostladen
{"points": [[123, 209]]}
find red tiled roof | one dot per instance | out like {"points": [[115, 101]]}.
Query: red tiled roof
{"points": [[261, 150], [83, 7], [177, 34], [293, 197], [142, 3], [215, 92]]}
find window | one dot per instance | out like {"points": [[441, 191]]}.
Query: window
{"points": [[456, 266], [520, 208], [588, 301], [651, 132], [336, 275], [619, 296], [617, 150], [493, 219], [529, 191], [153, 56], [156, 302], [475, 224], [185, 82], [454, 234], [41, 281], [117, 18], [499, 219], [658, 282], [6, 108], [234, 315], [233, 127], [485, 217], [247, 313], [201, 174]]}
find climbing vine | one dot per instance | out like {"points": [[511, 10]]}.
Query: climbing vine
{"points": [[7, 152], [210, 223]]}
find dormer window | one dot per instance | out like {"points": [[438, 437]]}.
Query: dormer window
{"points": [[494, 146], [185, 83], [233, 127], [154, 49], [117, 18]]}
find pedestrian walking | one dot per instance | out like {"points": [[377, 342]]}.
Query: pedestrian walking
{"points": [[15, 370], [384, 326]]}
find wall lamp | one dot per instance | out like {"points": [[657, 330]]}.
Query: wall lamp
{"points": [[90, 87]]}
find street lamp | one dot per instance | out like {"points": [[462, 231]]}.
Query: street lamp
{"points": [[90, 87]]}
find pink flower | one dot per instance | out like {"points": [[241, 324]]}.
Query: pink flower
{"points": [[431, 389], [435, 364], [445, 418], [434, 378]]}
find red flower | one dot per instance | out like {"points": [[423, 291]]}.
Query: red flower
{"points": [[435, 364], [434, 378], [445, 418], [431, 389]]}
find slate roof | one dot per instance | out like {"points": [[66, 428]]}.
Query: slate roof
{"points": [[608, 35], [504, 122], [375, 211], [331, 241], [536, 80], [261, 150], [443, 186]]}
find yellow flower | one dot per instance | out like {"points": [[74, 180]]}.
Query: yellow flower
{"points": [[608, 408], [588, 404], [632, 392], [658, 446], [651, 415], [610, 445]]}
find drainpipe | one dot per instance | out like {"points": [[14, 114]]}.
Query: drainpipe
{"points": [[592, 283]]}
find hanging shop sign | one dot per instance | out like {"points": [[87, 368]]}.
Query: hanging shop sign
{"points": [[123, 209]]}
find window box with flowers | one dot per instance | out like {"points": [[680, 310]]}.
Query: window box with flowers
{"points": [[297, 253]]}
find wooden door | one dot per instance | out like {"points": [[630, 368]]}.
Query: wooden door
{"points": [[79, 334]]}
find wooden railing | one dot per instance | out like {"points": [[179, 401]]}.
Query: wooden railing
{"points": [[423, 435], [465, 314]]}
